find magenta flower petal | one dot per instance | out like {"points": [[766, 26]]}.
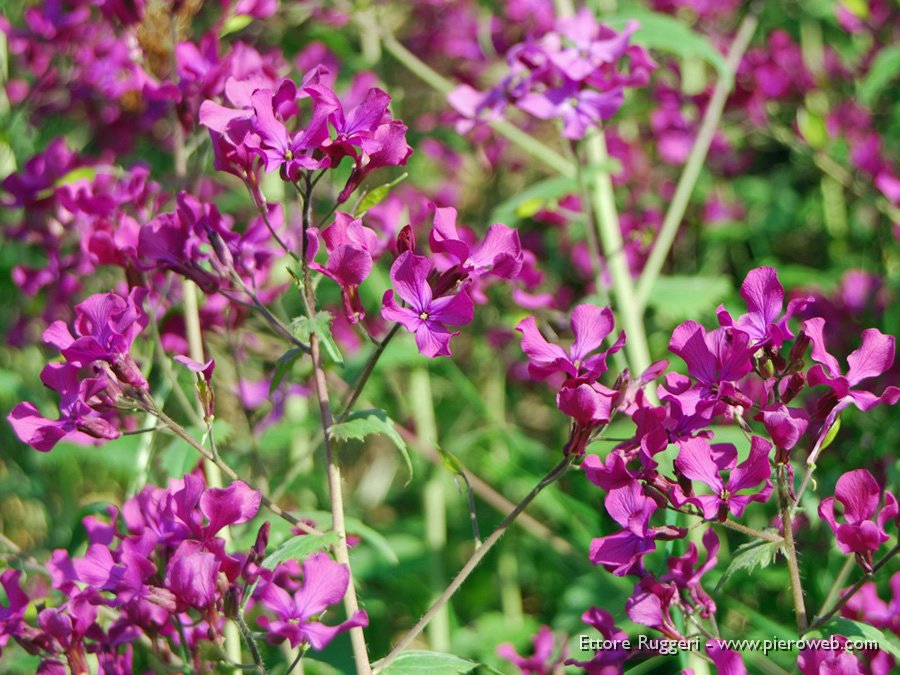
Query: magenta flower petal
{"points": [[233, 505], [873, 357]]}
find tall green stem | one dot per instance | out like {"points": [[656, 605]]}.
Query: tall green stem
{"points": [[335, 489], [696, 159], [554, 474], [610, 235]]}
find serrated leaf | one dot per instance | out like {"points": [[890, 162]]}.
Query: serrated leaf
{"points": [[377, 194], [363, 423], [856, 629], [668, 34], [300, 548], [283, 366], [885, 68], [760, 553], [304, 327], [355, 526], [420, 662]]}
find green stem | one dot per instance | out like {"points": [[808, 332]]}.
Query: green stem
{"points": [[853, 590], [749, 531], [366, 373], [610, 235], [696, 159], [790, 549], [341, 552], [512, 133], [554, 474]]}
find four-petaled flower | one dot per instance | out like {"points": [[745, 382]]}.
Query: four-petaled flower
{"points": [[324, 584], [426, 316], [698, 460], [859, 493]]}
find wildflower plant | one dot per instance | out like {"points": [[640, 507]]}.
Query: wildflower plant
{"points": [[287, 270]]}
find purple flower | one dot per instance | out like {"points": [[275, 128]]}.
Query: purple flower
{"points": [[582, 45], [859, 493], [278, 149], [622, 552], [579, 109], [590, 325], [699, 461], [686, 574], [366, 133], [828, 660], [351, 247], [106, 325], [764, 323], [873, 357], [324, 584], [79, 420], [605, 661], [204, 373], [713, 358], [539, 663], [426, 316], [727, 661], [12, 616], [649, 606], [499, 254]]}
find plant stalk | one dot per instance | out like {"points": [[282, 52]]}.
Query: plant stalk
{"points": [[555, 474]]}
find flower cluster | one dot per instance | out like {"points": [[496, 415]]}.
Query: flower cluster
{"points": [[254, 129], [574, 74], [97, 377], [437, 293], [159, 570], [747, 371]]}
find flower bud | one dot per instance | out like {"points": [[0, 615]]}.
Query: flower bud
{"points": [[406, 240]]}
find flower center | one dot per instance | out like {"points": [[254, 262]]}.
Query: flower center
{"points": [[423, 316], [288, 155]]}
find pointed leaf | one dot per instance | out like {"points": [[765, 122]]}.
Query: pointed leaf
{"points": [[300, 548], [362, 423]]}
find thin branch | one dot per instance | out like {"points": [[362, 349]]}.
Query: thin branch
{"points": [[759, 534], [250, 641], [179, 431], [694, 164], [787, 526], [853, 590], [366, 373], [484, 490], [341, 553], [552, 476], [512, 133]]}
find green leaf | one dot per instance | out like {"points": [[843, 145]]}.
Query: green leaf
{"points": [[451, 462], [299, 548], [355, 526], [688, 297], [377, 194], [304, 327], [668, 34], [235, 23], [363, 423], [283, 366], [759, 553], [885, 68], [858, 630], [832, 433], [418, 662], [532, 199]]}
